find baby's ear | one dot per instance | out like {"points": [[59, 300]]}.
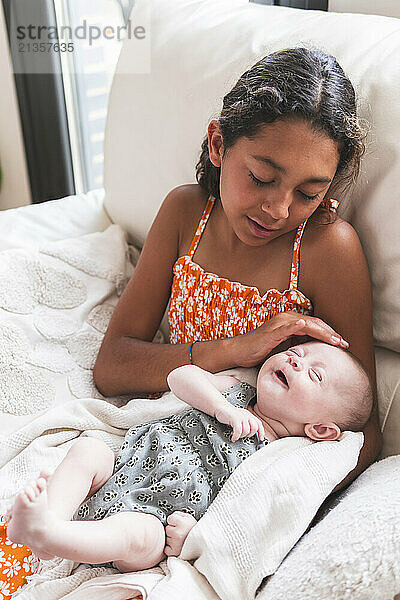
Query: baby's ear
{"points": [[322, 431]]}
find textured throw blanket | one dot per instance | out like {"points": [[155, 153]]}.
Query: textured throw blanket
{"points": [[51, 327], [263, 509]]}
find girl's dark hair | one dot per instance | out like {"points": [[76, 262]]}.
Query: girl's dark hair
{"points": [[295, 83]]}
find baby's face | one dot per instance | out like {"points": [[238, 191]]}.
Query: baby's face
{"points": [[300, 385]]}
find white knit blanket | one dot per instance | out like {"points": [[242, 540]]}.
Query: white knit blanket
{"points": [[54, 308], [263, 509]]}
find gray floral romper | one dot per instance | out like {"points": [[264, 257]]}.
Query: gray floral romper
{"points": [[177, 463]]}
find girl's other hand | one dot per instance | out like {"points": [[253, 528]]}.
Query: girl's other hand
{"points": [[253, 347], [242, 421]]}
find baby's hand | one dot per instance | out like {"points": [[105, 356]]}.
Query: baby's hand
{"points": [[242, 421], [176, 532]]}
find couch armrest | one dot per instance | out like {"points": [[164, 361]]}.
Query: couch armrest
{"points": [[55, 220], [388, 381]]}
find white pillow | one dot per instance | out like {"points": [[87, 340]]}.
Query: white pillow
{"points": [[55, 305], [354, 551], [36, 224]]}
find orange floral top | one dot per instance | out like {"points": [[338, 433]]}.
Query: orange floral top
{"points": [[16, 563], [204, 306]]}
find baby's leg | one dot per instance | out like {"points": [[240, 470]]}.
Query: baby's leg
{"points": [[132, 540], [88, 464]]}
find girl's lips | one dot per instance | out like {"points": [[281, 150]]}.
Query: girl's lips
{"points": [[258, 230]]}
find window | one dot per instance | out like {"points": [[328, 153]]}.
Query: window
{"points": [[87, 75], [63, 95]]}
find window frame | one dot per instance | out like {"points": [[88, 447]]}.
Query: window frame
{"points": [[42, 111]]}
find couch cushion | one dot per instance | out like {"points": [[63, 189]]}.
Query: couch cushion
{"points": [[353, 552], [388, 380]]}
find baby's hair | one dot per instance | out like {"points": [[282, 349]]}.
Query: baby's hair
{"points": [[358, 399], [295, 83]]}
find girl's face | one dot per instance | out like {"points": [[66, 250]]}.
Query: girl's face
{"points": [[276, 180]]}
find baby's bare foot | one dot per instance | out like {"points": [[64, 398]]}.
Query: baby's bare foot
{"points": [[31, 518], [8, 515]]}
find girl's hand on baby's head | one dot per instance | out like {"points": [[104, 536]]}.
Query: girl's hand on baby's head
{"points": [[242, 421], [253, 347]]}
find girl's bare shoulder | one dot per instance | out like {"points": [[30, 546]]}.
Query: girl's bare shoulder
{"points": [[224, 382], [328, 239], [331, 252], [190, 201]]}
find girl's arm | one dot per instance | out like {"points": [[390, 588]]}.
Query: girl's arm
{"points": [[128, 360], [342, 297]]}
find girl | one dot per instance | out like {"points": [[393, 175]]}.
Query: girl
{"points": [[222, 250]]}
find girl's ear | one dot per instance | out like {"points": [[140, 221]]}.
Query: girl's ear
{"points": [[322, 431], [333, 190], [215, 144]]}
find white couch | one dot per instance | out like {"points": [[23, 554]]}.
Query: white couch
{"points": [[156, 121]]}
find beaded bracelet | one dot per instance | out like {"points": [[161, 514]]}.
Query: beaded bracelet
{"points": [[190, 351]]}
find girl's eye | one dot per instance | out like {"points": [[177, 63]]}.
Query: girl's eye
{"points": [[310, 198], [260, 183], [257, 181]]}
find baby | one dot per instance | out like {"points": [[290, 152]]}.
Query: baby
{"points": [[139, 508]]}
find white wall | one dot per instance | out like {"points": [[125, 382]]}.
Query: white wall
{"points": [[388, 8], [15, 190]]}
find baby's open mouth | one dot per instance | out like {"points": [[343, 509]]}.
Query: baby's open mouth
{"points": [[281, 376]]}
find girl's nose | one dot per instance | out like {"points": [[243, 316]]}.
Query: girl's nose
{"points": [[277, 209]]}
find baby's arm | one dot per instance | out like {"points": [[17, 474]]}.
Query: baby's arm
{"points": [[202, 389], [199, 388]]}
